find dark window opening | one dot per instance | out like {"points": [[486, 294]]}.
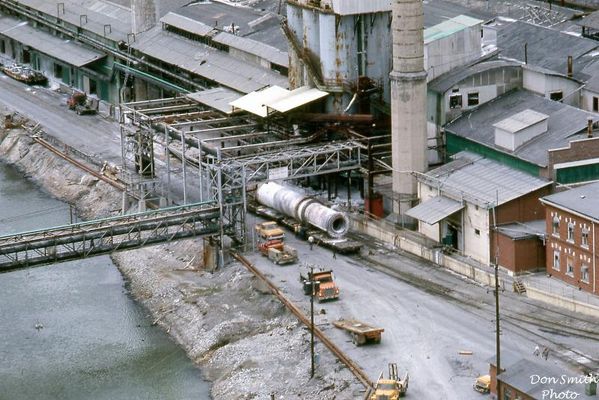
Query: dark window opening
{"points": [[556, 96], [26, 56], [2, 46], [596, 104], [58, 71], [455, 101], [93, 86], [472, 99]]}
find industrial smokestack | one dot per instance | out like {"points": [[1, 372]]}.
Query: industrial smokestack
{"points": [[408, 100], [143, 15]]}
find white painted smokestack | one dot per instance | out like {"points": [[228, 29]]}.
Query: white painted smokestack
{"points": [[408, 99]]}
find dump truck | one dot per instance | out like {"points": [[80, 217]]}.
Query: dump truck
{"points": [[81, 104], [325, 287], [483, 384], [391, 388], [361, 332], [269, 231], [278, 252]]}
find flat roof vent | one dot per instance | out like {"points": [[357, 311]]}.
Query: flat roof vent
{"points": [[519, 128]]}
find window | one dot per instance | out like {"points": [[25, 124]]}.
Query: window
{"points": [[584, 273], [570, 232], [455, 101], [556, 96], [596, 104], [472, 99], [93, 87], [556, 260], [3, 47], [477, 232], [584, 240], [58, 71], [570, 267], [555, 226]]}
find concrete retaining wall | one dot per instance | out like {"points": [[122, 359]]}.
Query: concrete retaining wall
{"points": [[563, 302], [383, 233]]}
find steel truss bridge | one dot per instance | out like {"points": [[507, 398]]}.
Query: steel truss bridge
{"points": [[103, 236]]}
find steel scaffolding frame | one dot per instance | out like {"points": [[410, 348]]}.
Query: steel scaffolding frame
{"points": [[230, 153]]}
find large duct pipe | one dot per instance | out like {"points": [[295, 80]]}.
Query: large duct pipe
{"points": [[303, 208]]}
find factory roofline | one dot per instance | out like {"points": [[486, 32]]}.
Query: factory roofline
{"points": [[470, 176], [547, 48], [449, 27], [565, 124], [582, 200], [444, 82]]}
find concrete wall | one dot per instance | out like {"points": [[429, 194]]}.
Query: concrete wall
{"points": [[386, 233], [459, 48], [586, 100], [545, 84]]}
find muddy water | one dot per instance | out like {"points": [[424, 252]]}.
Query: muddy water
{"points": [[70, 331]]}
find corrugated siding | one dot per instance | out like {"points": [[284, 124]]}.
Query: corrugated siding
{"points": [[582, 173], [455, 144]]}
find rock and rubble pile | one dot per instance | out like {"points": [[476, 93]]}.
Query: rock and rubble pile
{"points": [[243, 339]]}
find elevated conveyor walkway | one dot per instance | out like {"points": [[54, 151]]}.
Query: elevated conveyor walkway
{"points": [[103, 236]]}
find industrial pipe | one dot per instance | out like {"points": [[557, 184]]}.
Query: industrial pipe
{"points": [[303, 208]]}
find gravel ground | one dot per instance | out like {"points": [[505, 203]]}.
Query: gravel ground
{"points": [[241, 337]]}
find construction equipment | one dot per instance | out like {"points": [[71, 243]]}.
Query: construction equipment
{"points": [[483, 384], [361, 333], [325, 287], [392, 388], [269, 231], [278, 252], [82, 104]]}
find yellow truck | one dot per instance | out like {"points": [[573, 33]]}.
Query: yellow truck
{"points": [[391, 388], [269, 230], [483, 384]]}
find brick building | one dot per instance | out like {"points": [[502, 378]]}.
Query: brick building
{"points": [[572, 250]]}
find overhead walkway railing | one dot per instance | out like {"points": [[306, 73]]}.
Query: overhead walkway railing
{"points": [[103, 236]]}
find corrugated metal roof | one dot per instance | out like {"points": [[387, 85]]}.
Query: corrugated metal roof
{"points": [[255, 102], [434, 210], [444, 82], [254, 47], [217, 98], [206, 61], [186, 24], [65, 50], [296, 98], [98, 13], [590, 21], [583, 200], [449, 27], [523, 230], [546, 48], [278, 99], [565, 123], [519, 121], [484, 179]]}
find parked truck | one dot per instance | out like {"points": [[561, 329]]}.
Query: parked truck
{"points": [[391, 388], [269, 231], [278, 252], [82, 104], [361, 332], [325, 287]]}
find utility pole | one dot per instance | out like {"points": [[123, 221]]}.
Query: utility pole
{"points": [[497, 326], [312, 320]]}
